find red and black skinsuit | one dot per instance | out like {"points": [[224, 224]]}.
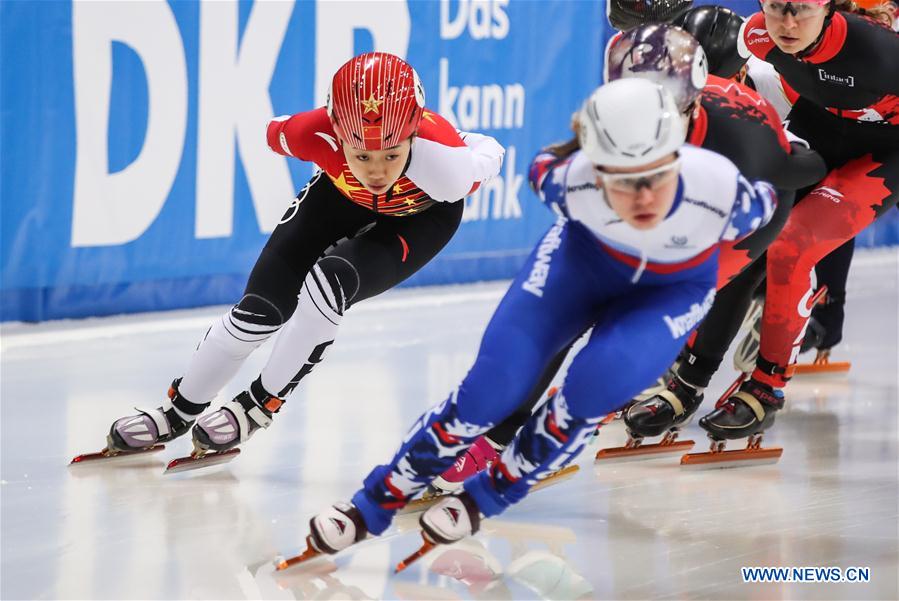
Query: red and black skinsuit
{"points": [[846, 90], [746, 129], [847, 108]]}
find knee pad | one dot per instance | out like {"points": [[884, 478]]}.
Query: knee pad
{"points": [[250, 322], [333, 282]]}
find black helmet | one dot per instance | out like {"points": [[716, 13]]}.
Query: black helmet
{"points": [[718, 30], [664, 54], [628, 14]]}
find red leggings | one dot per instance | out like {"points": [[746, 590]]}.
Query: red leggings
{"points": [[849, 199]]}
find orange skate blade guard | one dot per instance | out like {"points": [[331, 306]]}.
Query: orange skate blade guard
{"points": [[648, 451], [735, 458], [191, 462], [106, 454]]}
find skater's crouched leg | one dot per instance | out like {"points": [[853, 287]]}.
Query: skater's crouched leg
{"points": [[630, 345], [249, 323], [229, 341], [430, 447], [498, 383], [551, 438], [269, 300]]}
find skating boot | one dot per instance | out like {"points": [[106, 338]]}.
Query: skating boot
{"points": [[663, 414], [453, 518], [657, 388], [143, 433], [660, 385], [479, 457], [747, 413], [747, 351], [331, 531], [217, 434]]}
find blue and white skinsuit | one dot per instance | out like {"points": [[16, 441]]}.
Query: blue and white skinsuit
{"points": [[642, 291]]}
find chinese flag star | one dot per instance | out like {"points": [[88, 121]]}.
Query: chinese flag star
{"points": [[371, 104]]}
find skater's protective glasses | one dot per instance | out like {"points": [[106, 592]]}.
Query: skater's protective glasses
{"points": [[632, 183], [800, 10]]}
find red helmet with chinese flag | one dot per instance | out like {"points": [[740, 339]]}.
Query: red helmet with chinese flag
{"points": [[375, 101]]}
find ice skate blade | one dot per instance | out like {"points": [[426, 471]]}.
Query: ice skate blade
{"points": [[423, 504], [192, 462], [644, 452], [310, 553], [822, 368], [558, 477], [426, 547], [108, 455], [728, 459]]}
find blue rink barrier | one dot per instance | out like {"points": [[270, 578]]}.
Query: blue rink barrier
{"points": [[135, 173]]}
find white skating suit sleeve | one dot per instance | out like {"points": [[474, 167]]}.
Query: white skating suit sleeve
{"points": [[447, 168], [713, 203], [769, 85], [487, 154]]}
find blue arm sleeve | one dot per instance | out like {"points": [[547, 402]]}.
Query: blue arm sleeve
{"points": [[753, 207], [547, 179]]}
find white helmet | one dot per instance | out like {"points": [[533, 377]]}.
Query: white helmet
{"points": [[630, 122]]}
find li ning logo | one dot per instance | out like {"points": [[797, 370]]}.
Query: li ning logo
{"points": [[842, 80]]}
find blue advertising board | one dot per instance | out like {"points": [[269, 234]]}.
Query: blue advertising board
{"points": [[135, 171]]}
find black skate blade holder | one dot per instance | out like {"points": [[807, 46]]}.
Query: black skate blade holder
{"points": [[198, 459]]}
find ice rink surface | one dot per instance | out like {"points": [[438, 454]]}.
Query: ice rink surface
{"points": [[642, 530]]}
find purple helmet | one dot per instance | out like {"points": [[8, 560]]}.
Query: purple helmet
{"points": [[665, 54]]}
